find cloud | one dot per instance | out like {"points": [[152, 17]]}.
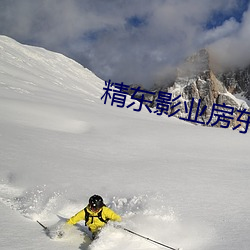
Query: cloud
{"points": [[228, 28], [233, 49], [132, 41]]}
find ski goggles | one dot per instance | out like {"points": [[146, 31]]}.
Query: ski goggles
{"points": [[94, 208]]}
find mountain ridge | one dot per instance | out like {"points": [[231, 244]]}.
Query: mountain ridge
{"points": [[198, 81]]}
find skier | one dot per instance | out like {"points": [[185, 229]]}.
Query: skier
{"points": [[95, 214]]}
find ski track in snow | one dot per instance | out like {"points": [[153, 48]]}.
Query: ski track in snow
{"points": [[145, 214], [42, 116]]}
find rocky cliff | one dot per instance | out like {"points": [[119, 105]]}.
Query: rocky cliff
{"points": [[237, 81], [200, 87]]}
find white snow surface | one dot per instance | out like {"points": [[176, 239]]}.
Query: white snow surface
{"points": [[185, 186]]}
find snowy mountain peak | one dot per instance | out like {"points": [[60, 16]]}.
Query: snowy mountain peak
{"points": [[198, 63], [33, 74], [22, 67], [199, 86]]}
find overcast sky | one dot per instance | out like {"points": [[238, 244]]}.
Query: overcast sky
{"points": [[134, 41]]}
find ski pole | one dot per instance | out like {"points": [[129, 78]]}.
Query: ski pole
{"points": [[146, 238], [45, 228]]}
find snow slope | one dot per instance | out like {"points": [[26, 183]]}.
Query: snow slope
{"points": [[183, 185]]}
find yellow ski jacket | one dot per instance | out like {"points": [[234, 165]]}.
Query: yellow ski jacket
{"points": [[94, 223]]}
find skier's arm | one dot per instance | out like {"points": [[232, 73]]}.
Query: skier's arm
{"points": [[77, 217], [110, 214]]}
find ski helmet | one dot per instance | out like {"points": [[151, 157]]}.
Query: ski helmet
{"points": [[95, 202]]}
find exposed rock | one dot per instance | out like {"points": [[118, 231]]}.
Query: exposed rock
{"points": [[196, 82], [237, 81]]}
